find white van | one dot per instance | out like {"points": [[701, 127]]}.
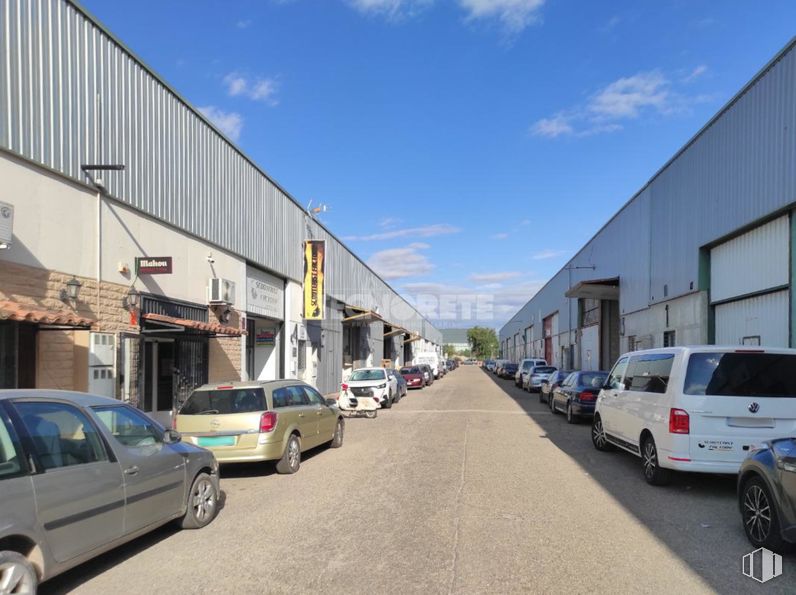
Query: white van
{"points": [[696, 408], [428, 357]]}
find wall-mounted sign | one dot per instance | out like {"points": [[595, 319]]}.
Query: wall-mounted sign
{"points": [[265, 294], [153, 265], [314, 262], [265, 338]]}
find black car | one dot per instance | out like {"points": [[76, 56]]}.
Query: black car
{"points": [[767, 495], [577, 395], [553, 381], [509, 370]]}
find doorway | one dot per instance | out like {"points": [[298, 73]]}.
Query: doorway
{"points": [[158, 379]]}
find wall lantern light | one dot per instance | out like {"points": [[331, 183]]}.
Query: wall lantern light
{"points": [[72, 290], [132, 299]]}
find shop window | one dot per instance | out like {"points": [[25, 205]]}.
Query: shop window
{"points": [[631, 343], [590, 312], [302, 355]]}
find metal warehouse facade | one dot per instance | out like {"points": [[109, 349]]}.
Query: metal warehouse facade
{"points": [[72, 95], [702, 254]]}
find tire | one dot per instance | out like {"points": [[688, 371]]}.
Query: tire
{"points": [[337, 438], [571, 417], [202, 503], [541, 400], [387, 404], [653, 472], [552, 402], [760, 516], [291, 458], [371, 414], [17, 573], [598, 437]]}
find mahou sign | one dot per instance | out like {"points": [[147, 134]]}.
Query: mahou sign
{"points": [[153, 265]]}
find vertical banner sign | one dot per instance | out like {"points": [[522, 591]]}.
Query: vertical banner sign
{"points": [[314, 263]]}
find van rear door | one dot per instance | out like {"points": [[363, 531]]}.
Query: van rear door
{"points": [[737, 399]]}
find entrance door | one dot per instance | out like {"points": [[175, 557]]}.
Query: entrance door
{"points": [[159, 379]]}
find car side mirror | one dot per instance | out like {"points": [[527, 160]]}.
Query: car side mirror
{"points": [[171, 437], [331, 402]]}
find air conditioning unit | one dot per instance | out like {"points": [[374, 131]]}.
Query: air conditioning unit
{"points": [[220, 291], [6, 224]]}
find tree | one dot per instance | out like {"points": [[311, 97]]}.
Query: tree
{"points": [[483, 340]]}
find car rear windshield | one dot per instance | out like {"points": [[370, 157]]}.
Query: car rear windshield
{"points": [[367, 375], [544, 370], [411, 371], [593, 379], [741, 375], [216, 402]]}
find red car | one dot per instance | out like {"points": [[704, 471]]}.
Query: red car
{"points": [[413, 376]]}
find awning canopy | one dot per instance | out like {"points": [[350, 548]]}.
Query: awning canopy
{"points": [[412, 338], [24, 313], [598, 289], [396, 330], [208, 327]]}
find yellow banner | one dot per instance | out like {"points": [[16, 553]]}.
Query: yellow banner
{"points": [[314, 262]]}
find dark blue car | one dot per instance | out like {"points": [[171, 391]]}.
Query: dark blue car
{"points": [[577, 395], [509, 370]]}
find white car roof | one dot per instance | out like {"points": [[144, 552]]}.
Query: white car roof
{"points": [[714, 349]]}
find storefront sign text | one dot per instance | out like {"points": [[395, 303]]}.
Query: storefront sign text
{"points": [[153, 265]]}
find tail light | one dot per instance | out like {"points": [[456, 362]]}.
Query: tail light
{"points": [[174, 422], [268, 421], [586, 396], [679, 422], [344, 387]]}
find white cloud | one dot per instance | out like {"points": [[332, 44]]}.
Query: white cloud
{"points": [[259, 89], [494, 277], [397, 263], [514, 15], [548, 254], [391, 9], [243, 24], [390, 222], [696, 73], [500, 236], [626, 98], [425, 231], [230, 123]]}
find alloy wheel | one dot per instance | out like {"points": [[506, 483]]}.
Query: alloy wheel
{"points": [[15, 578], [650, 458], [757, 513], [293, 453], [204, 500], [598, 434]]}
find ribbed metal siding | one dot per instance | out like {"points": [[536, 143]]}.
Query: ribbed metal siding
{"points": [[763, 316], [756, 261], [70, 95]]}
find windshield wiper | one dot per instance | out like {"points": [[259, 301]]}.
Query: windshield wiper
{"points": [[208, 411]]}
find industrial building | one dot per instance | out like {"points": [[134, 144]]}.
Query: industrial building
{"points": [[142, 253], [456, 339], [702, 254]]}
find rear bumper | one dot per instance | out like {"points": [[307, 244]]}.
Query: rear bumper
{"points": [[583, 409], [270, 451], [715, 467]]}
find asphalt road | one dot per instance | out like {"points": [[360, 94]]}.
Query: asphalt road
{"points": [[469, 486]]}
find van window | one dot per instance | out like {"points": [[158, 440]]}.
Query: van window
{"points": [[615, 378], [649, 373], [741, 375], [219, 402]]}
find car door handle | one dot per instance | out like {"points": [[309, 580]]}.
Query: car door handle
{"points": [[131, 470]]}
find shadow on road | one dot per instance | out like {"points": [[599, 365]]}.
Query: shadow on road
{"points": [[696, 516]]}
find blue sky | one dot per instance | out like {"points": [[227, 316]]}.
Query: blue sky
{"points": [[446, 135]]}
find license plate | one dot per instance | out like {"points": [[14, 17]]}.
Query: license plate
{"points": [[217, 441]]}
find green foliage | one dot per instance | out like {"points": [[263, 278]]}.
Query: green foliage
{"points": [[484, 341]]}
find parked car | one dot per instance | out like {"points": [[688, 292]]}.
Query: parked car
{"points": [[537, 375], [402, 385], [499, 363], [508, 370], [767, 494], [521, 377], [414, 376], [451, 365], [431, 358], [577, 395], [243, 422], [490, 365], [696, 408], [428, 373], [379, 383], [81, 474], [551, 382]]}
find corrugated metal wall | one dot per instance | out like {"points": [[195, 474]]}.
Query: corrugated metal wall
{"points": [[739, 169], [71, 95], [760, 320]]}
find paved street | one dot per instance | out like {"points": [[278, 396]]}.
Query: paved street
{"points": [[470, 486]]}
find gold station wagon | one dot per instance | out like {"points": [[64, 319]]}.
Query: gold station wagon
{"points": [[260, 421]]}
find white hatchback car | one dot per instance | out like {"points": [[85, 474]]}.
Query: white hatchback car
{"points": [[697, 409], [378, 383]]}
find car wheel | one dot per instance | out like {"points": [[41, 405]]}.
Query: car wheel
{"points": [[202, 503], [337, 438], [598, 437], [291, 458], [552, 402], [541, 399], [17, 574], [571, 417], [760, 515], [371, 414], [653, 472], [387, 403]]}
